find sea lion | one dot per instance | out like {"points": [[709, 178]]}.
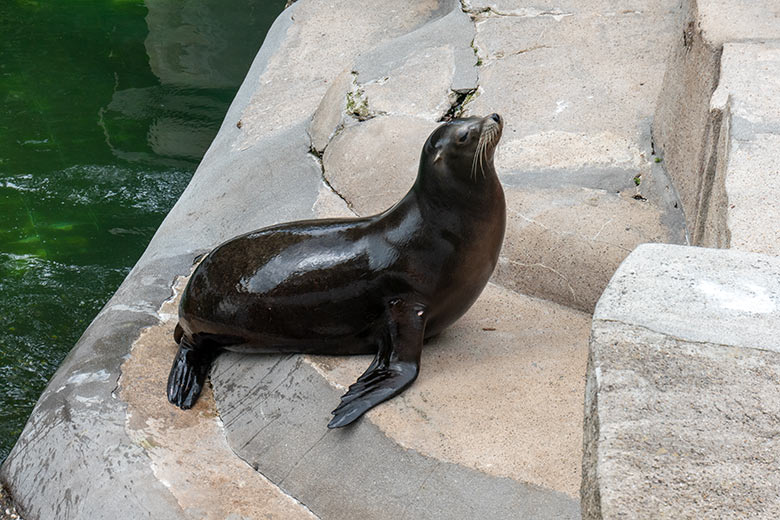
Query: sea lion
{"points": [[380, 284]]}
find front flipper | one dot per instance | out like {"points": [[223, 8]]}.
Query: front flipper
{"points": [[394, 368]]}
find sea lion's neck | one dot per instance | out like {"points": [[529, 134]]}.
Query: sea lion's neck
{"points": [[445, 191]]}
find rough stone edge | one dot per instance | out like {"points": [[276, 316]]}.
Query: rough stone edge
{"points": [[690, 130], [684, 132], [591, 504]]}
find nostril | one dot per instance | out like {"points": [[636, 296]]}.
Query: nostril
{"points": [[495, 117]]}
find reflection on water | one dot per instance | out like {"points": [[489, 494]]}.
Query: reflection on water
{"points": [[203, 44], [108, 106]]}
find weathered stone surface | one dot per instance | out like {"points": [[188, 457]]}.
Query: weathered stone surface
{"points": [[729, 20], [682, 406], [416, 74], [331, 111], [209, 482], [576, 84], [453, 30], [420, 86], [500, 392], [321, 41], [514, 412], [373, 164], [687, 129], [738, 291]]}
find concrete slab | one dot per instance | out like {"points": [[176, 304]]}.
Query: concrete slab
{"points": [[682, 399]]}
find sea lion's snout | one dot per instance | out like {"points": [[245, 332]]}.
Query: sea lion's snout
{"points": [[492, 127], [493, 120]]}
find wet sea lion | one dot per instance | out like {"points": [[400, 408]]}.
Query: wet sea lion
{"points": [[379, 284]]}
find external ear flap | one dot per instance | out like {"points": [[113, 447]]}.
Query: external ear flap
{"points": [[438, 156]]}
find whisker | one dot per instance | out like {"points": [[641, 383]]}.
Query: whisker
{"points": [[487, 138]]}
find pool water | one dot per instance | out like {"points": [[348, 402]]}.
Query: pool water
{"points": [[106, 107]]}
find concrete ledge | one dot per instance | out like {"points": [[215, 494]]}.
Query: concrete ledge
{"points": [[691, 126], [683, 392]]}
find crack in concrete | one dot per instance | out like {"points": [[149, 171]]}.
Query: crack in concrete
{"points": [[501, 54], [458, 105], [571, 233], [490, 11], [357, 106], [281, 481], [318, 158], [539, 264], [422, 484], [530, 49], [602, 229]]}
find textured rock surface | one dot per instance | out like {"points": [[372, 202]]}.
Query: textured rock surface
{"points": [[576, 83], [682, 399]]}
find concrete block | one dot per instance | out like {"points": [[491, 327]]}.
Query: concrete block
{"points": [[682, 398]]}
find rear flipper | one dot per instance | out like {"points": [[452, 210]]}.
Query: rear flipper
{"points": [[188, 373], [394, 368]]}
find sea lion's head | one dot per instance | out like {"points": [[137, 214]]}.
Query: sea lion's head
{"points": [[464, 147]]}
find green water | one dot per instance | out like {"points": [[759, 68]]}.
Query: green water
{"points": [[106, 108]]}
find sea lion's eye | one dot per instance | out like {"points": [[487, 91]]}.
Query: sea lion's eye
{"points": [[462, 136]]}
